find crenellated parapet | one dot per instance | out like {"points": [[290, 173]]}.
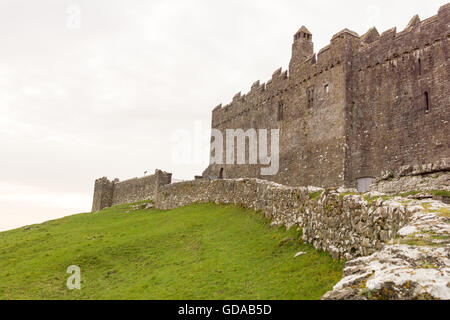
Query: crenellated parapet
{"points": [[392, 46], [366, 51], [338, 110], [304, 67], [258, 96]]}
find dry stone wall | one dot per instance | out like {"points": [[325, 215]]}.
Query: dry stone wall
{"points": [[343, 224]]}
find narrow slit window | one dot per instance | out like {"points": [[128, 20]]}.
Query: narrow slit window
{"points": [[280, 111], [310, 94], [420, 67], [427, 101]]}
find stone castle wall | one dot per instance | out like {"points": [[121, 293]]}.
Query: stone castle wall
{"points": [[110, 193], [368, 113], [345, 225], [389, 122], [309, 134], [103, 194]]}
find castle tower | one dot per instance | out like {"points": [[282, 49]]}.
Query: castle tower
{"points": [[103, 194], [302, 48]]}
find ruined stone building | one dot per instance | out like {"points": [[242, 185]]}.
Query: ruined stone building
{"points": [[365, 109], [362, 106]]}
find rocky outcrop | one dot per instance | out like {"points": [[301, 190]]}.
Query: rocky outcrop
{"points": [[432, 176], [415, 265]]}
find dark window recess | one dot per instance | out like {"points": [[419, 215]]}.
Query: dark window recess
{"points": [[280, 111], [310, 97], [221, 174], [420, 67], [427, 101]]}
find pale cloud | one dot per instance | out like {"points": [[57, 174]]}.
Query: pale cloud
{"points": [[105, 95]]}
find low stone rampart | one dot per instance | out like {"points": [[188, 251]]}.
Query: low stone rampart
{"points": [[345, 224]]}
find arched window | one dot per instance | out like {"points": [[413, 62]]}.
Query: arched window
{"points": [[427, 101]]}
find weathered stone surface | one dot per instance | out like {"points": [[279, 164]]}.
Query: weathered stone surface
{"points": [[398, 272], [416, 265], [432, 176]]}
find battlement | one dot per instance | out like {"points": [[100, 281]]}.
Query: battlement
{"points": [[390, 45], [409, 40], [348, 88], [306, 68]]}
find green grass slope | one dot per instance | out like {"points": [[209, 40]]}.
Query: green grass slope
{"points": [[197, 252]]}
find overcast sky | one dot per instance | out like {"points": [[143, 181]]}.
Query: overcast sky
{"points": [[107, 88]]}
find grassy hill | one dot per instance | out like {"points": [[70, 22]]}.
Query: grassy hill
{"points": [[197, 252]]}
